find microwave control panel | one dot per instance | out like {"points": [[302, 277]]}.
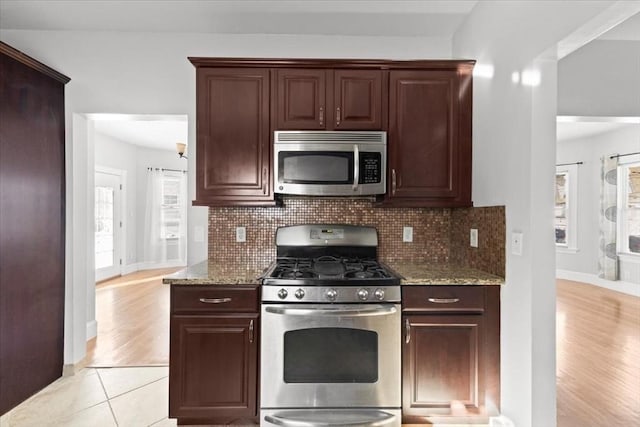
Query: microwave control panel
{"points": [[370, 168]]}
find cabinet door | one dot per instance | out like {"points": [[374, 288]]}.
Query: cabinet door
{"points": [[430, 139], [233, 138], [358, 99], [443, 366], [301, 102], [213, 367]]}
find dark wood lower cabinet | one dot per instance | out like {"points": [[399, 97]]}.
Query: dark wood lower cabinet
{"points": [[213, 366], [450, 356]]}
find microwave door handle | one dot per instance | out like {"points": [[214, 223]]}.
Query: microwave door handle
{"points": [[356, 166]]}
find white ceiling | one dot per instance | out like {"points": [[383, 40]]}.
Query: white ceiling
{"points": [[158, 132], [569, 130], [426, 18]]}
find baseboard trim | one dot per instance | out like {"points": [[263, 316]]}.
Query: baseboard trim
{"points": [[92, 329], [154, 265], [72, 369], [130, 268], [618, 285]]}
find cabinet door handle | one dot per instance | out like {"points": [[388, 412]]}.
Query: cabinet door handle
{"points": [[393, 181], [321, 116], [407, 330], [215, 300], [265, 184], [443, 300], [337, 116], [251, 331]]}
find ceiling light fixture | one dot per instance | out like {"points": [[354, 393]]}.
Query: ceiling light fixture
{"points": [[181, 147]]}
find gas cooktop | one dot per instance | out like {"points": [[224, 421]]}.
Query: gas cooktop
{"points": [[328, 263]]}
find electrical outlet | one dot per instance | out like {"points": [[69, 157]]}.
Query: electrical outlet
{"points": [[473, 237], [407, 234], [241, 234], [516, 243], [198, 234]]}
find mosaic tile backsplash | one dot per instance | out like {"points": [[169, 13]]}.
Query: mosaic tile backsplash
{"points": [[431, 230], [490, 255]]}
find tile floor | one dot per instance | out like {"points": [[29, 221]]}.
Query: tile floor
{"points": [[101, 397]]}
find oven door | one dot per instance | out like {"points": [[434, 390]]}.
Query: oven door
{"points": [[330, 356]]}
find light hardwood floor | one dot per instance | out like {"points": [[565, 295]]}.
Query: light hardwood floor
{"points": [[133, 321], [598, 343], [598, 357]]}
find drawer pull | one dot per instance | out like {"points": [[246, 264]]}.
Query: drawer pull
{"points": [[251, 331], [407, 327], [215, 300], [444, 300]]}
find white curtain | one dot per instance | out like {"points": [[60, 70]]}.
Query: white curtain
{"points": [[159, 247], [607, 249]]}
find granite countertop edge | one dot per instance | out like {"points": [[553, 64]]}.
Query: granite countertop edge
{"points": [[413, 274]]}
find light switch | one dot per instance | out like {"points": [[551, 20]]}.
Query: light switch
{"points": [[241, 234], [473, 237], [516, 243], [407, 234]]}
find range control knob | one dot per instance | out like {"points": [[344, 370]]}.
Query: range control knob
{"points": [[282, 293], [363, 294], [299, 293], [331, 294], [379, 294]]}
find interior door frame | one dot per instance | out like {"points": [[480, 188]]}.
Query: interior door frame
{"points": [[122, 241]]}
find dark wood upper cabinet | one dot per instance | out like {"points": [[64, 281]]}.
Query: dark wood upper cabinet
{"points": [[429, 138], [424, 105], [326, 99], [358, 100], [233, 140], [301, 101]]}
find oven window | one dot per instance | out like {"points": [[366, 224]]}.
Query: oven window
{"points": [[330, 355], [308, 167]]}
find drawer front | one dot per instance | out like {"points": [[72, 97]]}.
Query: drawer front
{"points": [[443, 299], [218, 299]]}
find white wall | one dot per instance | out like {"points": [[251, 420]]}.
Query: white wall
{"points": [[134, 160], [589, 150], [513, 164], [600, 79], [116, 154]]}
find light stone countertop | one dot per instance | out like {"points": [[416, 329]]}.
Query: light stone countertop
{"points": [[203, 274], [442, 274]]}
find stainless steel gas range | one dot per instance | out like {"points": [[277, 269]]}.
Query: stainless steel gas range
{"points": [[330, 344]]}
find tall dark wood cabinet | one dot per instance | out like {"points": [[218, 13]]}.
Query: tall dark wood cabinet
{"points": [[451, 353], [32, 233], [213, 361], [233, 142], [430, 138]]}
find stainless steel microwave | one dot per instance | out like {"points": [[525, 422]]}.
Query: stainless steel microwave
{"points": [[330, 163]]}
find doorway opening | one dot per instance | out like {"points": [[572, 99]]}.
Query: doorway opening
{"points": [[140, 234]]}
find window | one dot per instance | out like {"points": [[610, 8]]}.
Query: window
{"points": [[629, 207], [566, 199], [170, 214]]}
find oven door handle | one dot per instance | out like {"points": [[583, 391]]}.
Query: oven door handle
{"points": [[366, 310]]}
